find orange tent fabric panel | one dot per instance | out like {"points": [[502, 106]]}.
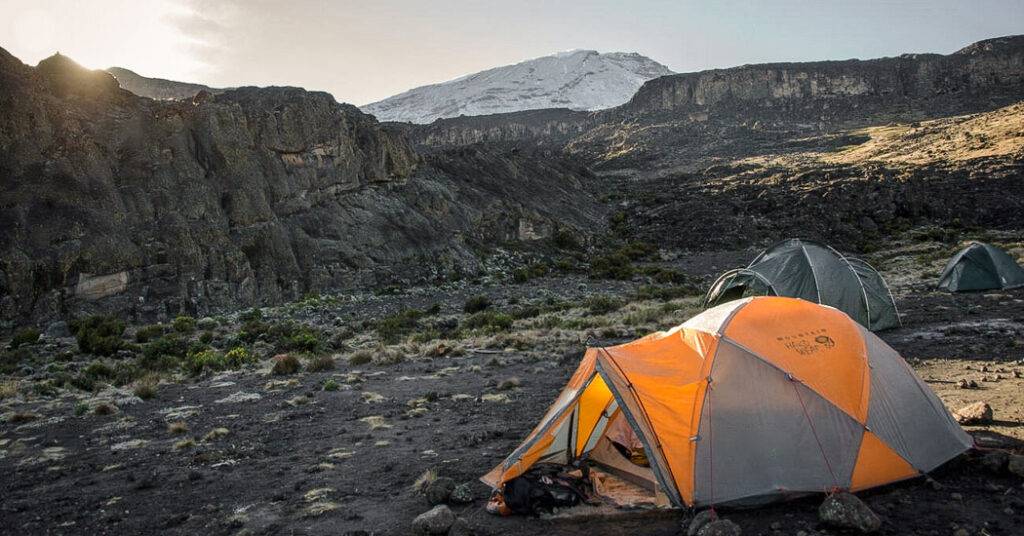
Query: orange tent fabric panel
{"points": [[593, 402], [818, 345], [878, 464]]}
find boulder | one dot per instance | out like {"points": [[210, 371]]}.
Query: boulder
{"points": [[437, 520], [699, 520], [460, 528], [976, 413], [844, 510], [720, 527], [1016, 465], [995, 460], [440, 490], [461, 494]]}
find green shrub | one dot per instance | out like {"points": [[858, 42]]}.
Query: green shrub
{"points": [[393, 328], [205, 360], [600, 305], [612, 266], [238, 357], [98, 334], [148, 333], [184, 324], [667, 275], [252, 314], [303, 339], [527, 311], [98, 371], [147, 386], [81, 409], [206, 337], [207, 324], [331, 385], [26, 336], [285, 365], [565, 239], [476, 304], [11, 358], [433, 309], [654, 292], [164, 353], [489, 321]]}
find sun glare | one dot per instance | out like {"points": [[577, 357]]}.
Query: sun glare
{"points": [[141, 36]]}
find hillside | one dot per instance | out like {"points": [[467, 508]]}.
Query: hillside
{"points": [[577, 80]]}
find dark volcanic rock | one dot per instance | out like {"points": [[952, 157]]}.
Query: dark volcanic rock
{"points": [[845, 510], [112, 202]]}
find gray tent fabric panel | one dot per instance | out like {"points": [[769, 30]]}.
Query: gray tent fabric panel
{"points": [[755, 429], [838, 283], [882, 313], [1010, 273], [790, 274], [906, 415]]}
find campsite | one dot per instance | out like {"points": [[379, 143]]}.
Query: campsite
{"points": [[269, 454]]}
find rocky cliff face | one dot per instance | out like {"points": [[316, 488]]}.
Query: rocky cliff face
{"points": [[112, 202], [678, 118]]}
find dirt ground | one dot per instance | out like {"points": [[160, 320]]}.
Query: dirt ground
{"points": [[262, 454]]}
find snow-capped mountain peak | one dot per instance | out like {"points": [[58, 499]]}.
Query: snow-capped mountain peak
{"points": [[575, 79]]}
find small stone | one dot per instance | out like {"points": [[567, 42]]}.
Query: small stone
{"points": [[776, 525], [437, 520], [956, 496], [995, 460], [973, 384], [845, 510], [1015, 465], [57, 329], [440, 490], [721, 527], [983, 368], [699, 520], [999, 377], [963, 384], [460, 528], [967, 367], [1016, 374], [976, 413], [1008, 511], [961, 532], [985, 379], [461, 494]]}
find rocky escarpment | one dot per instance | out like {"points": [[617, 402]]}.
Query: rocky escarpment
{"points": [[681, 118], [112, 202]]}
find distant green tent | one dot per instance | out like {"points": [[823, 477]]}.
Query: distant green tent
{"points": [[981, 267], [814, 272]]}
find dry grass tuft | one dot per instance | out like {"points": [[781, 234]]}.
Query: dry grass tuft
{"points": [[462, 396], [496, 397], [21, 416], [320, 363], [104, 408], [353, 378], [416, 412], [382, 443], [510, 383], [376, 422], [177, 427], [187, 443], [360, 357], [427, 478], [216, 433], [299, 400], [278, 384], [391, 355], [147, 385], [319, 508], [373, 398], [286, 364], [8, 389], [314, 495]]}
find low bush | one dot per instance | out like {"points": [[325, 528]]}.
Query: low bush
{"points": [[393, 328], [489, 321], [205, 360], [238, 357], [476, 304], [26, 336], [331, 385], [98, 334], [164, 353], [600, 305], [148, 333], [320, 363], [184, 324]]}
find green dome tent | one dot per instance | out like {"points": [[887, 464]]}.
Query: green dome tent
{"points": [[981, 267], [817, 273]]}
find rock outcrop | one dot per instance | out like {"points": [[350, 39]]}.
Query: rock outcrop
{"points": [[113, 202]]}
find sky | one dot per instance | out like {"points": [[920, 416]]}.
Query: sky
{"points": [[363, 51]]}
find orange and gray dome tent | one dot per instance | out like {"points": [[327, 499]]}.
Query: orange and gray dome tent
{"points": [[749, 402], [981, 267], [815, 272]]}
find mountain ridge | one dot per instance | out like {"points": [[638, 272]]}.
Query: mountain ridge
{"points": [[576, 79]]}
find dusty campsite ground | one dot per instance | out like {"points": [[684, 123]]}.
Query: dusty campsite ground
{"points": [[249, 452]]}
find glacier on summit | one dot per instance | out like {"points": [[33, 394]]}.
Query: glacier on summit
{"points": [[575, 79]]}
